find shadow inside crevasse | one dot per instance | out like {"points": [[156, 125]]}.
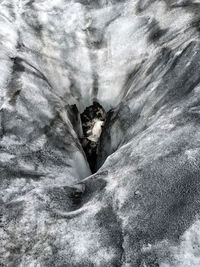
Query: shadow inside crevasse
{"points": [[92, 119]]}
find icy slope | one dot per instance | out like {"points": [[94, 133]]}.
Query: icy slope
{"points": [[140, 60]]}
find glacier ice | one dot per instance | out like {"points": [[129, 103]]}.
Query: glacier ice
{"points": [[140, 60]]}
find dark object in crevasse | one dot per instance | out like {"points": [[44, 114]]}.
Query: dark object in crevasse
{"points": [[90, 149], [90, 115], [93, 118]]}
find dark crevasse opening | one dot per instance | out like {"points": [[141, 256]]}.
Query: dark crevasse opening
{"points": [[93, 120], [89, 126]]}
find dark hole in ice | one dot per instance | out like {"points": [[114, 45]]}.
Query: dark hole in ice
{"points": [[88, 127], [93, 119]]}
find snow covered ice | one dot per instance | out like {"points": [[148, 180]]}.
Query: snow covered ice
{"points": [[140, 60]]}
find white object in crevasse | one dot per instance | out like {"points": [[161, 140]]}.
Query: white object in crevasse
{"points": [[95, 132]]}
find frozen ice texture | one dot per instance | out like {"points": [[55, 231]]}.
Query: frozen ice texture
{"points": [[140, 60]]}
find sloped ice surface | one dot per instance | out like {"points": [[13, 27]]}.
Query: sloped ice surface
{"points": [[140, 60]]}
